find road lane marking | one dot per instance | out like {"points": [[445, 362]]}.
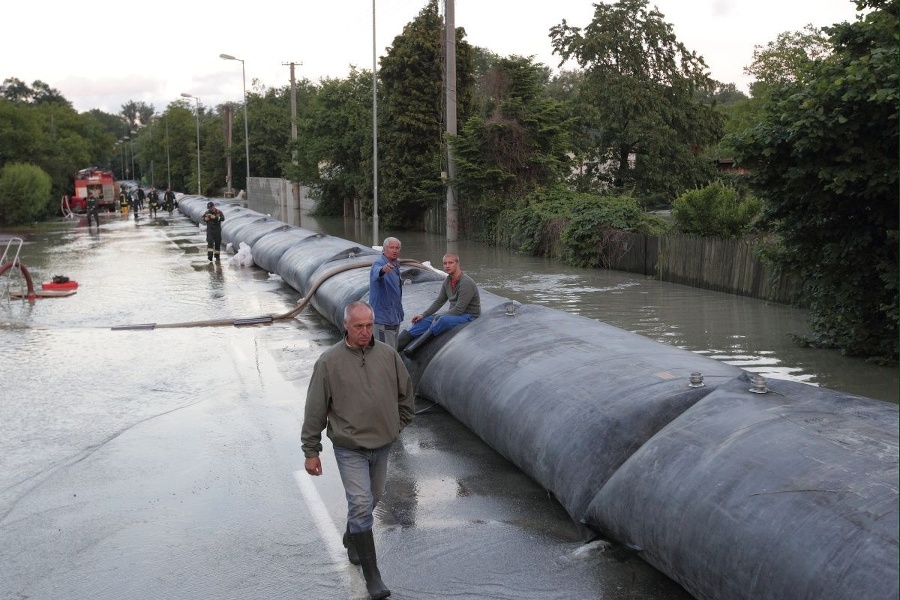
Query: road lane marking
{"points": [[328, 529]]}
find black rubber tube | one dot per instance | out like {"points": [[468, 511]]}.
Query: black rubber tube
{"points": [[786, 495]]}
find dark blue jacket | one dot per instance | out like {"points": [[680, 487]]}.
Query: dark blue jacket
{"points": [[386, 293]]}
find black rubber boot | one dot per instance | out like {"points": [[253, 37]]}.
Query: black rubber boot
{"points": [[352, 553], [403, 339], [418, 343], [365, 545], [209, 255]]}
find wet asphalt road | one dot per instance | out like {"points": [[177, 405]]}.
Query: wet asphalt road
{"points": [[166, 464]]}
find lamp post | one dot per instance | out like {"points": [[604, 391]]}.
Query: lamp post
{"points": [[131, 143], [246, 128], [168, 165], [374, 134], [186, 95], [125, 148], [122, 156]]}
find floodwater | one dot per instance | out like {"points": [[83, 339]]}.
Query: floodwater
{"points": [[166, 463], [755, 335]]}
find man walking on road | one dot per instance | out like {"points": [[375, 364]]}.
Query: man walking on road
{"points": [[386, 292], [361, 391]]}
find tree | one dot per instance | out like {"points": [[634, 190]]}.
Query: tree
{"points": [[24, 193], [516, 145], [638, 103], [787, 58], [412, 116], [137, 114], [336, 136], [270, 119], [780, 62], [115, 125], [17, 91], [825, 158]]}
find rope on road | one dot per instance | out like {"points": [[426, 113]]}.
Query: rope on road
{"points": [[267, 319]]}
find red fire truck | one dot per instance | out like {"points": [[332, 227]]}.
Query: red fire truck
{"points": [[102, 183]]}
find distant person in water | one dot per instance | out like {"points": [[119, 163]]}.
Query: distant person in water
{"points": [[93, 209], [465, 306], [213, 218]]}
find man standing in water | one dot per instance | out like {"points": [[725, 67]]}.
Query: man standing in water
{"points": [[213, 218], [361, 391], [93, 209], [386, 292], [169, 200]]}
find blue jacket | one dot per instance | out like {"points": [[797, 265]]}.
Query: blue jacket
{"points": [[386, 293]]}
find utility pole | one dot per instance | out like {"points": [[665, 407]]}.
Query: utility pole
{"points": [[228, 122], [374, 135], [450, 88], [168, 162], [295, 183]]}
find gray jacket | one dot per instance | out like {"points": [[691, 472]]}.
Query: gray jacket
{"points": [[364, 397], [464, 300]]}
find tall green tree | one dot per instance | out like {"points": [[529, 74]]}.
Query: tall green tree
{"points": [[825, 158], [16, 90], [137, 114], [54, 137], [516, 145], [787, 58], [270, 137], [412, 122], [779, 62], [336, 137], [639, 102]]}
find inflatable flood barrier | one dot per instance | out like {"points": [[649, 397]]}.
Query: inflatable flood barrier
{"points": [[269, 249], [791, 494], [567, 399], [785, 495], [248, 231]]}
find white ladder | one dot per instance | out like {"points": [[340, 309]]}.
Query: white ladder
{"points": [[13, 275]]}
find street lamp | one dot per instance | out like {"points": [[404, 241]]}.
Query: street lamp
{"points": [[374, 134], [246, 134], [168, 165], [122, 155], [131, 143], [186, 95]]}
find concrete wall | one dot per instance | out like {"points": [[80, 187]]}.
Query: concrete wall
{"points": [[272, 196]]}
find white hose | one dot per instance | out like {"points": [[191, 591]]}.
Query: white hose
{"points": [[65, 208]]}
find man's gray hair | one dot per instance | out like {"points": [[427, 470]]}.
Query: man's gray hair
{"points": [[388, 240], [354, 305]]}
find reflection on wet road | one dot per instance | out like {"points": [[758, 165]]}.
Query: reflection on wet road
{"points": [[166, 463]]}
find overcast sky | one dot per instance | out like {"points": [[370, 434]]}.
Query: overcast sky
{"points": [[103, 53]]}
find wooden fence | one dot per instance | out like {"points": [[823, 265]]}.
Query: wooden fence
{"points": [[724, 265], [729, 265]]}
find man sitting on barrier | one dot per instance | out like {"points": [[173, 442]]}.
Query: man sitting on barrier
{"points": [[465, 306]]}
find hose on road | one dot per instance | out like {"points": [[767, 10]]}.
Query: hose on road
{"points": [[365, 262]]}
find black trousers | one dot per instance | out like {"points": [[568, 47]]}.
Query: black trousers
{"points": [[214, 240]]}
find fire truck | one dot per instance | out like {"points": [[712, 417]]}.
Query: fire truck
{"points": [[102, 183]]}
